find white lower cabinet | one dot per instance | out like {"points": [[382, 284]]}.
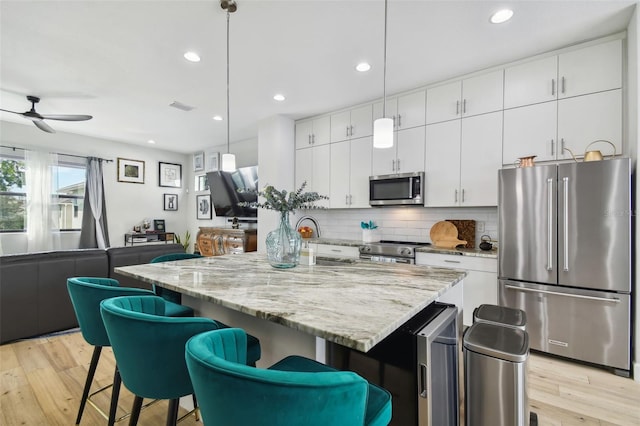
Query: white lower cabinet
{"points": [[480, 284], [332, 250]]}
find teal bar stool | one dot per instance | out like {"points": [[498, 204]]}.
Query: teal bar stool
{"points": [[149, 349], [86, 293], [176, 309], [294, 391]]}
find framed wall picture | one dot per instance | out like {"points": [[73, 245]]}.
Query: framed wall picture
{"points": [[171, 202], [131, 171], [198, 162], [203, 207], [201, 183], [158, 225], [170, 175], [212, 162]]}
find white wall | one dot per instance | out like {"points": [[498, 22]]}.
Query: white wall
{"points": [[633, 130], [127, 203]]}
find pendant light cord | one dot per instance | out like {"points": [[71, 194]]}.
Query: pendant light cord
{"points": [[228, 120], [384, 66]]}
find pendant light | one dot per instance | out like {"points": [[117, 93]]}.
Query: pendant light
{"points": [[228, 159], [383, 127]]}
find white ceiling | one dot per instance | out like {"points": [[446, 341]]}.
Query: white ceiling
{"points": [[121, 61]]}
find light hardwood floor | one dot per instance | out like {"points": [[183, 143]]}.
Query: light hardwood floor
{"points": [[42, 381]]}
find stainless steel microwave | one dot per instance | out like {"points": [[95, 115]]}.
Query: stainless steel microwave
{"points": [[397, 190]]}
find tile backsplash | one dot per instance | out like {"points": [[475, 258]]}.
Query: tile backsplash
{"points": [[399, 223]]}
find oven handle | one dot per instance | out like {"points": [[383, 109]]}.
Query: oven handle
{"points": [[423, 380], [376, 258]]}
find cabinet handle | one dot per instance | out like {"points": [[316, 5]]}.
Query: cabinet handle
{"points": [[351, 130], [464, 106], [393, 165], [452, 261], [552, 147], [313, 138], [395, 123], [457, 107], [456, 196], [346, 199], [399, 120], [347, 132], [398, 165], [463, 195], [563, 86], [561, 149], [350, 199], [553, 87], [309, 138], [336, 250]]}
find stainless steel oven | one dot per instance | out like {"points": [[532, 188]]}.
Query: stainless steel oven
{"points": [[390, 251]]}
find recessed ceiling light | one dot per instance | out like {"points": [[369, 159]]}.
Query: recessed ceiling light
{"points": [[151, 141], [217, 118], [363, 67], [278, 97], [192, 57], [501, 16]]}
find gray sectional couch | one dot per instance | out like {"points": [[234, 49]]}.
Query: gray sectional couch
{"points": [[33, 286]]}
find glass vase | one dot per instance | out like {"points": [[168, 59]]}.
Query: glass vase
{"points": [[283, 244]]}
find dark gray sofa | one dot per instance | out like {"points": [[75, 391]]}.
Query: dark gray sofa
{"points": [[33, 286]]}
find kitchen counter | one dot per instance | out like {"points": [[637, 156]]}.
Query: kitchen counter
{"points": [[492, 254], [355, 305]]}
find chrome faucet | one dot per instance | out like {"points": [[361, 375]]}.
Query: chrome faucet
{"points": [[312, 219]]}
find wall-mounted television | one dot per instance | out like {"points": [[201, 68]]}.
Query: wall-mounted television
{"points": [[225, 194]]}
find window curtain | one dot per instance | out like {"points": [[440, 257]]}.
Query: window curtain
{"points": [[42, 211], [94, 231]]}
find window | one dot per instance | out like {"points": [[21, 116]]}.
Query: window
{"points": [[68, 178]]}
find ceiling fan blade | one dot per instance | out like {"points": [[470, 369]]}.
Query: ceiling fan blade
{"points": [[13, 112], [66, 117], [43, 126]]}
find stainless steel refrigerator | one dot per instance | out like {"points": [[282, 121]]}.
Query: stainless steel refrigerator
{"points": [[565, 257]]}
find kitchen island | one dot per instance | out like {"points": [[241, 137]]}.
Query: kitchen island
{"points": [[355, 304]]}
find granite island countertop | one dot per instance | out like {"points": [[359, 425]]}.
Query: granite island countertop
{"points": [[356, 304]]}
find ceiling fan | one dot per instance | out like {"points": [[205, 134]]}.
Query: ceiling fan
{"points": [[38, 118]]}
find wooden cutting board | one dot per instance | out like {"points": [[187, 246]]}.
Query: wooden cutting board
{"points": [[445, 234], [466, 231]]}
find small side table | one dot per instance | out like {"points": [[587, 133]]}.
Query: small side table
{"points": [[151, 237]]}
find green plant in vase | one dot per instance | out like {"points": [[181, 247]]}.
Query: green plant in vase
{"points": [[284, 243], [184, 241]]}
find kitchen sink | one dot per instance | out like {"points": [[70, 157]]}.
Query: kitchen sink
{"points": [[334, 261]]}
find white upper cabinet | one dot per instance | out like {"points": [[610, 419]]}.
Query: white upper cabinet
{"points": [[585, 119], [443, 102], [530, 130], [313, 132], [442, 177], [406, 155], [462, 161], [480, 159], [350, 170], [407, 111], [465, 98], [531, 83], [355, 123], [579, 72], [546, 129], [591, 69], [313, 166]]}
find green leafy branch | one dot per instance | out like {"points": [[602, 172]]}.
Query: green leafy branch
{"points": [[284, 201]]}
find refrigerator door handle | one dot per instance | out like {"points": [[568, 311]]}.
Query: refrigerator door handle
{"points": [[555, 293], [549, 224], [565, 224]]}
